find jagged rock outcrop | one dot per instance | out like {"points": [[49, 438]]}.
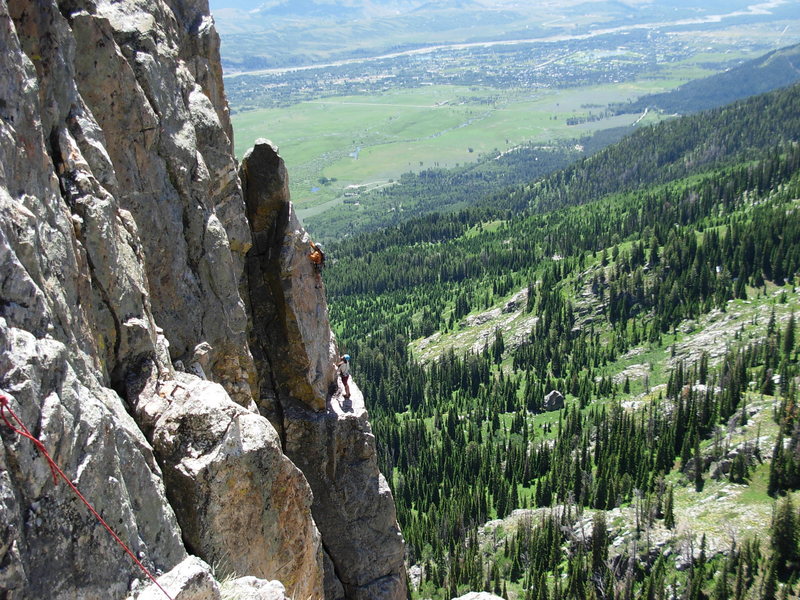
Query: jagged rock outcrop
{"points": [[291, 336], [172, 168], [51, 547], [330, 440], [123, 240], [73, 310], [241, 503], [353, 505]]}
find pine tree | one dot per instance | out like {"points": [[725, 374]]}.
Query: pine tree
{"points": [[599, 542], [703, 369], [496, 590], [776, 468], [698, 573], [789, 338], [721, 589], [698, 462], [770, 585], [669, 509], [498, 346], [739, 588], [739, 469], [784, 538]]}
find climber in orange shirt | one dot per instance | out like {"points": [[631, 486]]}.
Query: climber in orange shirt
{"points": [[317, 258]]}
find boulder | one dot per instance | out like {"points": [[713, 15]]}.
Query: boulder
{"points": [[252, 588], [721, 468], [516, 302], [191, 579], [553, 401]]}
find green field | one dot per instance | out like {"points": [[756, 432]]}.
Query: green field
{"points": [[337, 147], [410, 130]]}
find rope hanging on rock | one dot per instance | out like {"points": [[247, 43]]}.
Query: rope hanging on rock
{"points": [[57, 472]]}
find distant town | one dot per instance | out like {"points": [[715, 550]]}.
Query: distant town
{"points": [[611, 58]]}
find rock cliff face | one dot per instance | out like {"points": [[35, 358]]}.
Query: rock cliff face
{"points": [[326, 436], [126, 250]]}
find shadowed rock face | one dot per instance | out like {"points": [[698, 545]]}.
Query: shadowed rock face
{"points": [[291, 335], [353, 505], [295, 354]]}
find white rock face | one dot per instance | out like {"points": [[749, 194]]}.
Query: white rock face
{"points": [[192, 579], [123, 240], [252, 588], [189, 580]]}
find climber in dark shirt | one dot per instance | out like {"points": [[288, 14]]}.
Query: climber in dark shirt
{"points": [[343, 368]]}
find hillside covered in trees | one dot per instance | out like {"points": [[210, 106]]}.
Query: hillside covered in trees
{"points": [[441, 190], [776, 69], [653, 286]]}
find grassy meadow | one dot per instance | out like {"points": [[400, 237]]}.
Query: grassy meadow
{"points": [[347, 144], [405, 130]]}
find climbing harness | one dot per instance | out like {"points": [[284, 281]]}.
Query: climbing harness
{"points": [[57, 472]]}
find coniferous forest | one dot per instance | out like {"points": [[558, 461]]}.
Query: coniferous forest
{"points": [[654, 287]]}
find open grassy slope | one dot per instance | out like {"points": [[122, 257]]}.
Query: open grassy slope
{"points": [[411, 130]]}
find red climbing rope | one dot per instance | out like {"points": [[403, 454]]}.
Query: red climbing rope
{"points": [[56, 471]]}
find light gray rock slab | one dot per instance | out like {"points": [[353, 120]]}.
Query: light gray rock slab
{"points": [[242, 505]]}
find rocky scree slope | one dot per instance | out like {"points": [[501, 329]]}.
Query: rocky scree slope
{"points": [[150, 314]]}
